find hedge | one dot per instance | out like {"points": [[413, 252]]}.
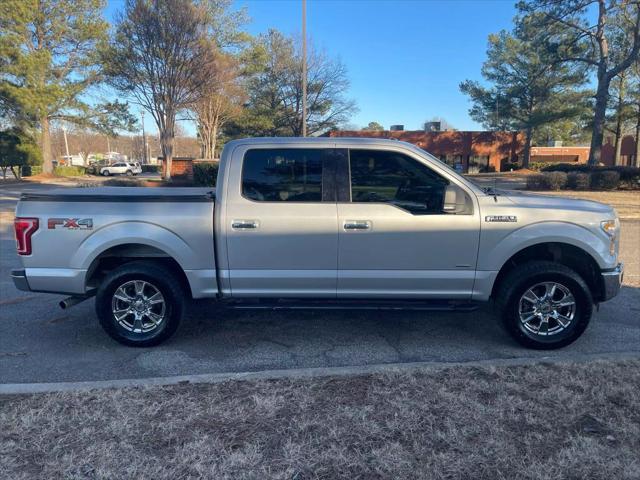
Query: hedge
{"points": [[205, 174], [547, 181], [628, 176], [69, 171], [598, 180], [150, 168], [605, 180], [30, 170], [578, 181]]}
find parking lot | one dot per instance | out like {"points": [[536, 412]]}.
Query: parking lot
{"points": [[41, 343]]}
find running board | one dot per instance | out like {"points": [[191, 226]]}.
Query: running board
{"points": [[292, 304]]}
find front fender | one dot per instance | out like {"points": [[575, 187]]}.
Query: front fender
{"points": [[495, 252], [136, 232]]}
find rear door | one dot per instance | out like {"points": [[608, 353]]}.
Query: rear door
{"points": [[280, 223], [395, 240]]}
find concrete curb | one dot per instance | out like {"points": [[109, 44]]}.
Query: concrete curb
{"points": [[30, 388]]}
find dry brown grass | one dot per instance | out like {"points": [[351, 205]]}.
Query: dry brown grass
{"points": [[626, 202], [526, 422]]}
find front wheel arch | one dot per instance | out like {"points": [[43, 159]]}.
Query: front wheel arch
{"points": [[565, 254]]}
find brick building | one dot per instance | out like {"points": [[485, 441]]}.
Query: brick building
{"points": [[472, 152], [627, 151], [181, 167], [477, 152], [560, 154]]}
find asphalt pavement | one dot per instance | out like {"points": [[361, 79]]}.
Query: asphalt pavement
{"points": [[41, 343]]}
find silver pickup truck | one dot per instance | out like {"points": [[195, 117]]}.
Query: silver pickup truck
{"points": [[322, 223]]}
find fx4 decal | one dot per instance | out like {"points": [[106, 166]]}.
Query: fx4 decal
{"points": [[70, 223]]}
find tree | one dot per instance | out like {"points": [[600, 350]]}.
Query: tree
{"points": [[50, 63], [160, 57], [622, 111], [220, 102], [609, 46], [273, 80], [634, 96], [17, 149], [528, 89], [373, 127]]}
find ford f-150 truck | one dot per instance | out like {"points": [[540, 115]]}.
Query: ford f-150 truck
{"points": [[322, 223]]}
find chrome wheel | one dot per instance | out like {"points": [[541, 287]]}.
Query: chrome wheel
{"points": [[547, 308], [138, 306]]}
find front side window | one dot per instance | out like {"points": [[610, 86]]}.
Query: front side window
{"points": [[283, 175], [390, 177]]}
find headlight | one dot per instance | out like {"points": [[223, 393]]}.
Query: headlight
{"points": [[609, 227]]}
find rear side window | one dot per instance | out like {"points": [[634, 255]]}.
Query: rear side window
{"points": [[390, 177], [283, 175]]}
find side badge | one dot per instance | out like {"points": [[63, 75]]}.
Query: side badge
{"points": [[500, 218], [70, 223]]}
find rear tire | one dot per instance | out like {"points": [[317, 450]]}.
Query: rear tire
{"points": [[544, 305], [140, 304]]}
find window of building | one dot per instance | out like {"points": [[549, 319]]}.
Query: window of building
{"points": [[390, 177], [478, 163], [283, 175]]}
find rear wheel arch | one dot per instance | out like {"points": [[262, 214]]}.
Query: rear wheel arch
{"points": [[118, 255], [575, 258]]}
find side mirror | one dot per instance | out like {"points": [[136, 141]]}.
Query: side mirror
{"points": [[455, 200]]}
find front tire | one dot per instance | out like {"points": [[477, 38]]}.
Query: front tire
{"points": [[106, 173], [140, 304], [544, 305], [129, 173]]}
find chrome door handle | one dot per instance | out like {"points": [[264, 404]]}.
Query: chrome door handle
{"points": [[244, 224], [357, 225]]}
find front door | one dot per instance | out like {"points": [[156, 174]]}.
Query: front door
{"points": [[281, 223], [395, 240]]}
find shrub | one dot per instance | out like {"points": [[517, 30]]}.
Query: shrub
{"points": [[30, 170], [629, 175], [555, 180], [205, 174], [536, 182], [605, 180], [150, 168], [568, 167], [578, 181], [537, 166], [547, 181], [69, 171], [508, 166], [121, 182]]}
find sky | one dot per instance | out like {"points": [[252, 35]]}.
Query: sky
{"points": [[405, 58]]}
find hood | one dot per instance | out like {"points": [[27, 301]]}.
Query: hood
{"points": [[534, 200]]}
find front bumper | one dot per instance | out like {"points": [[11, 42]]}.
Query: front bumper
{"points": [[611, 281], [20, 280]]}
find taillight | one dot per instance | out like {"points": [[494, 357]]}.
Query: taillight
{"points": [[25, 228]]}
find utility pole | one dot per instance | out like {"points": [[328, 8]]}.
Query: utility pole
{"points": [[66, 144], [304, 68], [144, 140]]}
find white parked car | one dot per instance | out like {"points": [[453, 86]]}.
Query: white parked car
{"points": [[121, 168]]}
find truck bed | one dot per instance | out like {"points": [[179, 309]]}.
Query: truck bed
{"points": [[80, 226]]}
